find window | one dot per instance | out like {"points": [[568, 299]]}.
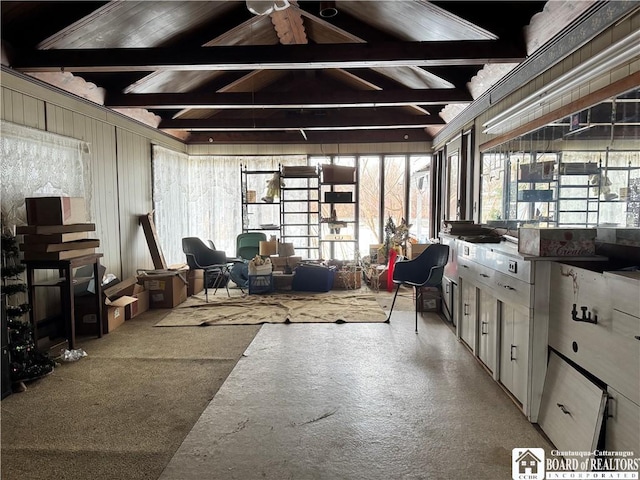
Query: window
{"points": [[420, 197]]}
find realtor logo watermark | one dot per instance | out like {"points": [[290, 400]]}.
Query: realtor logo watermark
{"points": [[527, 463], [534, 464]]}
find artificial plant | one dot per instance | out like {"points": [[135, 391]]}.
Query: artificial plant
{"points": [[26, 362]]}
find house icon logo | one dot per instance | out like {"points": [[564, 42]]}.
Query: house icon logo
{"points": [[527, 464]]}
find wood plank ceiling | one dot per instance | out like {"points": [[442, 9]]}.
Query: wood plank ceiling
{"points": [[211, 71]]}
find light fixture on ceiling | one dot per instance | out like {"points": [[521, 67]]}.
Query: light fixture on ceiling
{"points": [[328, 9], [266, 7]]}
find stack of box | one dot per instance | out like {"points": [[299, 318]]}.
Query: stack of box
{"points": [[56, 229], [123, 301]]}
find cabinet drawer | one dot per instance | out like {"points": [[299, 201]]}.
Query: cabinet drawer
{"points": [[512, 290], [475, 272], [608, 349], [626, 287], [504, 287], [572, 407], [623, 423]]}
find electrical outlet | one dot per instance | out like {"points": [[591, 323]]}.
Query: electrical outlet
{"points": [[513, 266]]}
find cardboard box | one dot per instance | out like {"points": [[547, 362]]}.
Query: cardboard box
{"points": [[55, 210], [415, 249], [60, 246], [338, 174], [167, 289], [348, 279], [279, 263], [86, 317], [282, 281], [579, 168], [55, 238], [55, 229], [557, 242], [536, 171], [535, 195], [129, 294], [136, 308], [195, 282], [63, 255], [428, 299]]}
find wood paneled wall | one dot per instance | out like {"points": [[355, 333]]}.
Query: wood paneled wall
{"points": [[119, 167]]}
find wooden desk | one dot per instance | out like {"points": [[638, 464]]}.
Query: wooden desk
{"points": [[65, 283]]}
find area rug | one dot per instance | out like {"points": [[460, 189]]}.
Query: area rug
{"points": [[294, 307]]}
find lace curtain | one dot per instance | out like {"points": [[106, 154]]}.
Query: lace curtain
{"points": [[199, 196], [38, 163]]}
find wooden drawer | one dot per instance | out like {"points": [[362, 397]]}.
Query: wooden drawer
{"points": [[626, 288], [623, 423], [608, 349], [572, 408]]}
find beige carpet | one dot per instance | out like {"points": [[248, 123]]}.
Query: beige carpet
{"points": [[291, 307], [122, 411]]}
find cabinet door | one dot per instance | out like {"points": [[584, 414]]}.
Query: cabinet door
{"points": [[623, 423], [487, 328], [514, 350], [468, 314], [447, 298]]}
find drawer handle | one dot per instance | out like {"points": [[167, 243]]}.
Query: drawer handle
{"points": [[508, 287], [465, 309], [465, 266], [482, 332], [637, 337], [563, 408], [484, 275], [511, 357], [585, 317]]}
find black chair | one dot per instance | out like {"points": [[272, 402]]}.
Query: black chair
{"points": [[426, 270], [214, 263]]}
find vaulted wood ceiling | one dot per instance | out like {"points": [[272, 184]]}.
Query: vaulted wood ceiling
{"points": [[211, 71]]}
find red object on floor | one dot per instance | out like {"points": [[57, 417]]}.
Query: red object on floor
{"points": [[392, 262]]}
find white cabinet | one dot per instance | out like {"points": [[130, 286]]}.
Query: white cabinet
{"points": [[514, 348], [487, 328], [468, 314], [623, 423], [496, 318]]}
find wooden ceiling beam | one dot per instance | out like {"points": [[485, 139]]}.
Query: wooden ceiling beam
{"points": [[244, 57], [312, 137], [376, 120], [294, 99]]}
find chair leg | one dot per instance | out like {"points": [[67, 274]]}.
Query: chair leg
{"points": [[416, 302], [392, 304], [206, 283]]}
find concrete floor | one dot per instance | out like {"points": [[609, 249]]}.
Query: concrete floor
{"points": [[356, 401]]}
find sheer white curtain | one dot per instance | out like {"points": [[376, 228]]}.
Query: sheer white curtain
{"points": [[38, 163], [171, 201], [199, 196]]}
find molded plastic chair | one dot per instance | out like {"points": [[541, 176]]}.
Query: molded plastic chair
{"points": [[248, 244], [426, 270], [214, 262]]}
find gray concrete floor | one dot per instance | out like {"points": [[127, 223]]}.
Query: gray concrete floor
{"points": [[356, 401]]}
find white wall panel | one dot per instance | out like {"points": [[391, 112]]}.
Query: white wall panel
{"points": [[134, 197]]}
